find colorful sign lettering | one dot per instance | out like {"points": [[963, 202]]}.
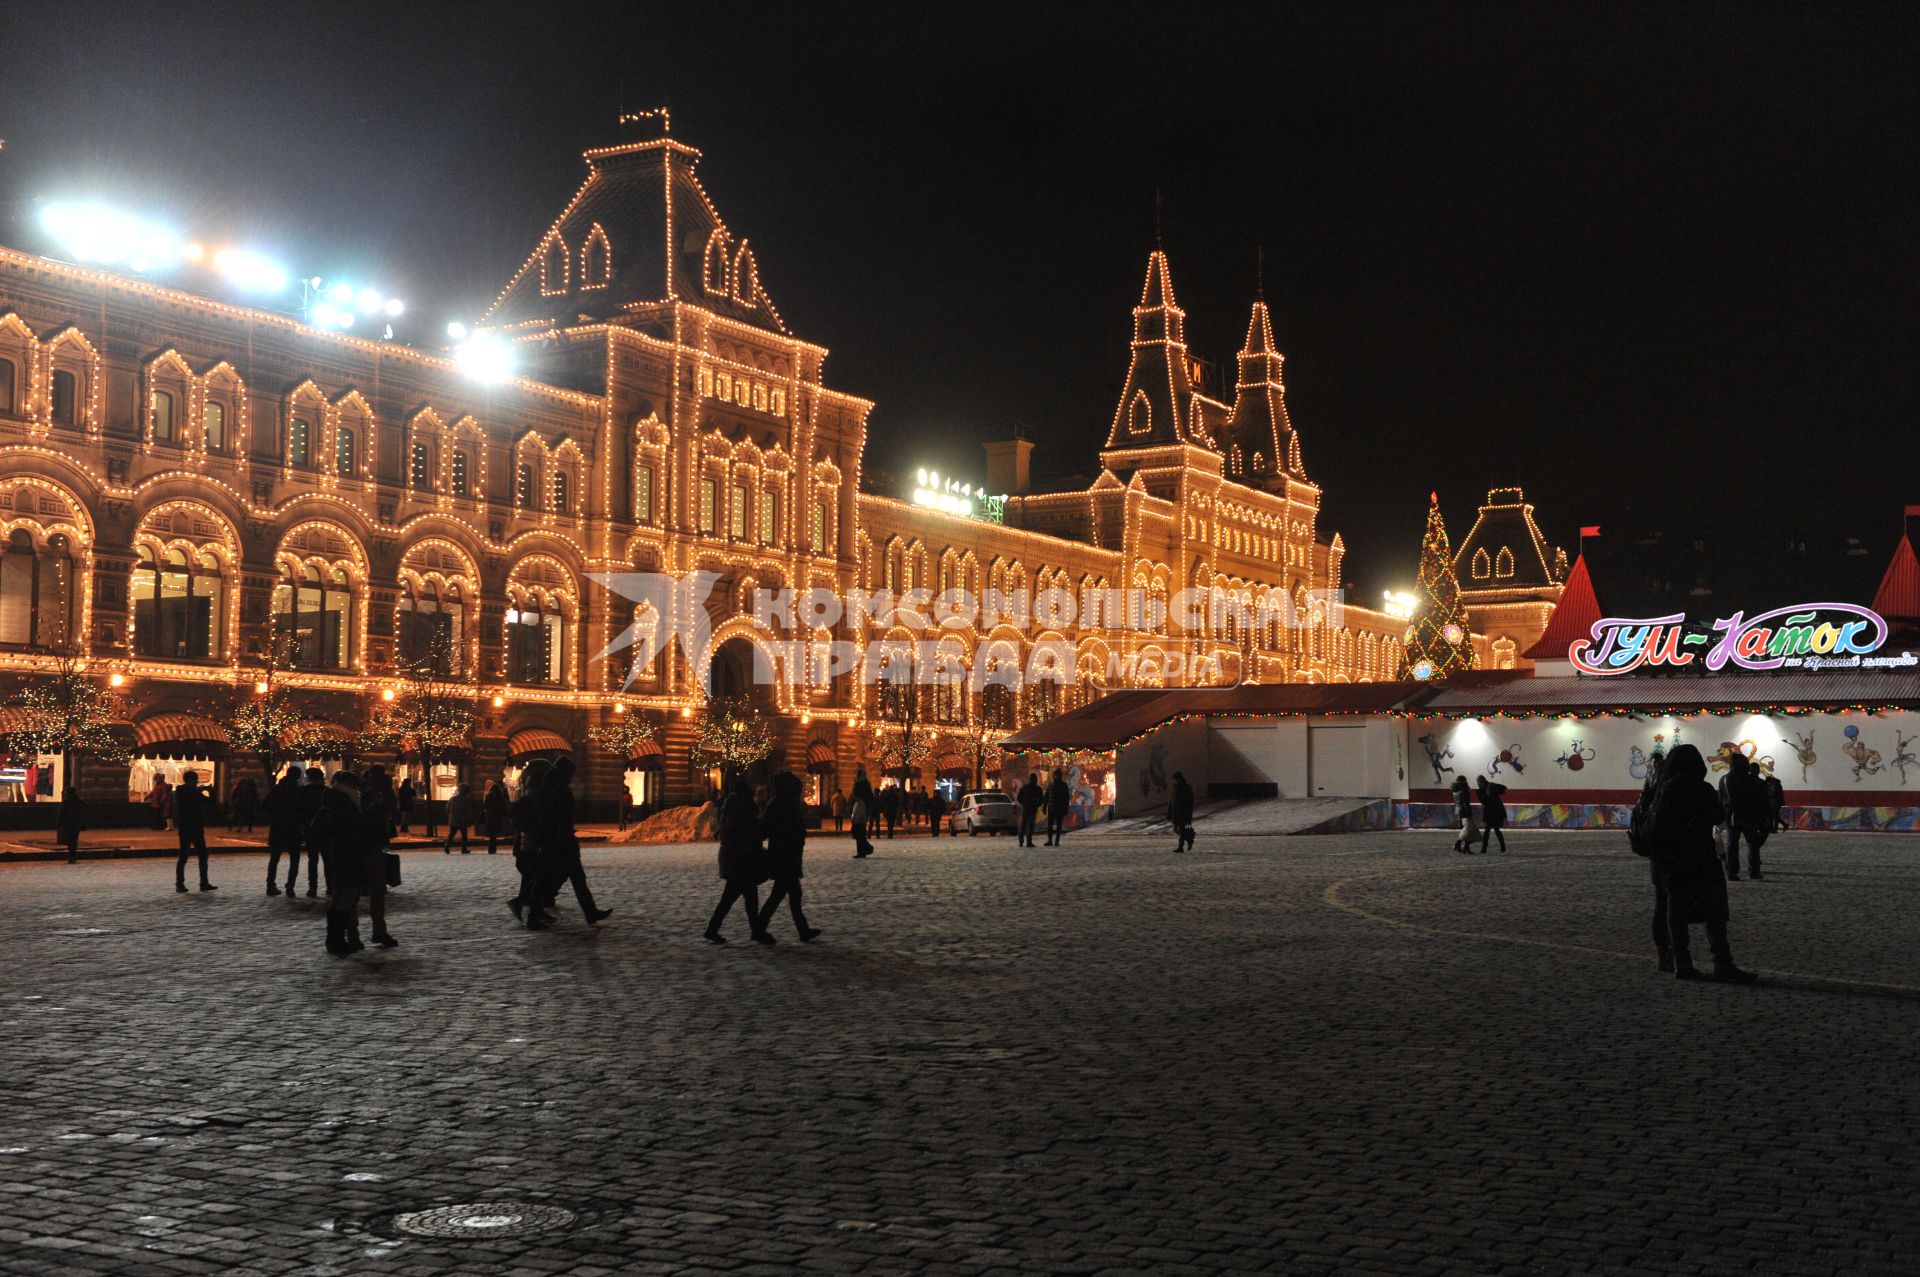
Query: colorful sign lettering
{"points": [[1807, 637]]}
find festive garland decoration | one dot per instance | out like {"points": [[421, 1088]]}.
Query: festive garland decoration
{"points": [[1437, 643]]}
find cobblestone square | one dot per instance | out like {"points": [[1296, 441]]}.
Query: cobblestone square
{"points": [[1306, 1055]]}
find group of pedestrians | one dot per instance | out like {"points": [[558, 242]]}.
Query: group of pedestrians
{"points": [[1677, 825], [546, 846], [1055, 798], [766, 843], [1479, 811]]}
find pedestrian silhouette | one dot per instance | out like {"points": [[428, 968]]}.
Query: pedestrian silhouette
{"points": [[742, 863], [785, 824], [1685, 810]]}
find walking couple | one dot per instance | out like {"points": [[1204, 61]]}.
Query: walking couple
{"points": [[546, 849], [757, 845], [1489, 823]]}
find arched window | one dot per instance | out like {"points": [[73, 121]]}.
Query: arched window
{"points": [[594, 266], [313, 609], [343, 451], [460, 466], [1503, 562], [7, 375], [1140, 414], [36, 590], [300, 442], [178, 604], [163, 431], [431, 627], [215, 420], [562, 495], [523, 486], [66, 398], [536, 634], [553, 266], [1482, 566], [418, 463]]}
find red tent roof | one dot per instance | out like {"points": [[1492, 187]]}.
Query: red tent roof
{"points": [[1573, 616], [1898, 598]]}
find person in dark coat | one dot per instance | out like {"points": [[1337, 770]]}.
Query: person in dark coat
{"points": [[311, 794], [742, 861], [1059, 803], [1750, 815], [283, 830], [861, 813], [190, 822], [339, 834], [936, 812], [463, 812], [553, 817], [70, 821], [160, 798], [495, 811], [1642, 816], [1029, 797], [891, 800], [403, 804], [1680, 834], [377, 818], [245, 806], [1464, 816], [527, 856], [1493, 812], [1180, 812], [785, 824], [1777, 795]]}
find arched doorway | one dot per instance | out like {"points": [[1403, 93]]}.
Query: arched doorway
{"points": [[740, 685]]}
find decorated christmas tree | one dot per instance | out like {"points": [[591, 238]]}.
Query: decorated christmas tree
{"points": [[1436, 642]]}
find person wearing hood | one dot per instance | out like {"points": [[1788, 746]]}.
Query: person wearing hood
{"points": [[785, 823], [1680, 844], [1464, 815], [742, 861]]}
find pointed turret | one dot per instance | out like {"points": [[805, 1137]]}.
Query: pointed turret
{"points": [[1573, 619], [1259, 440], [1156, 404], [1898, 598]]}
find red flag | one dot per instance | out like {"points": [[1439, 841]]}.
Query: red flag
{"points": [[1913, 510], [1593, 531]]}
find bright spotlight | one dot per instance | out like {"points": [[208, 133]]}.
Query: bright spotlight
{"points": [[344, 320], [341, 293], [368, 302], [324, 315], [485, 357], [394, 308], [92, 233], [252, 271], [457, 330]]}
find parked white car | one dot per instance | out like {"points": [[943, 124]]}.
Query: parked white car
{"points": [[984, 809]]}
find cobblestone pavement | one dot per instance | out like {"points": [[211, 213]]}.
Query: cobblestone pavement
{"points": [[1336, 1055]]}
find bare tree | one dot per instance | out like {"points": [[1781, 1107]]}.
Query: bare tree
{"points": [[433, 711]]}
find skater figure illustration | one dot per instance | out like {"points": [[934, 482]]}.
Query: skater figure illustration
{"points": [[1866, 760], [1436, 756], [1802, 747]]}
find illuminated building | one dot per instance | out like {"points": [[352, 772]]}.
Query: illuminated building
{"points": [[184, 476]]}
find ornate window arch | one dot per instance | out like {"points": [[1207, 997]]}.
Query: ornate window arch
{"points": [[1503, 563], [223, 410], [542, 606], [306, 427], [1140, 414], [1482, 566], [73, 381], [46, 566], [433, 614], [181, 596], [319, 603], [19, 356], [713, 276], [170, 396]]}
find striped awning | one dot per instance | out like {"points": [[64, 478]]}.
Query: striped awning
{"points": [[180, 735], [820, 759], [954, 765], [316, 731], [536, 740], [647, 756]]}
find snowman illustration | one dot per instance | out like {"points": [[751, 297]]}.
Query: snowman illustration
{"points": [[1636, 762]]}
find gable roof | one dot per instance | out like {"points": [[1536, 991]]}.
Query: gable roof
{"points": [[1898, 598], [1156, 404], [662, 237]]}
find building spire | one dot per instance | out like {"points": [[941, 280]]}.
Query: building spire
{"points": [[1260, 275]]}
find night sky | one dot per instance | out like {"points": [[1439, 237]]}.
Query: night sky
{"points": [[1656, 264]]}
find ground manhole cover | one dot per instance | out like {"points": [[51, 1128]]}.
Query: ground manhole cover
{"points": [[484, 1219]]}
